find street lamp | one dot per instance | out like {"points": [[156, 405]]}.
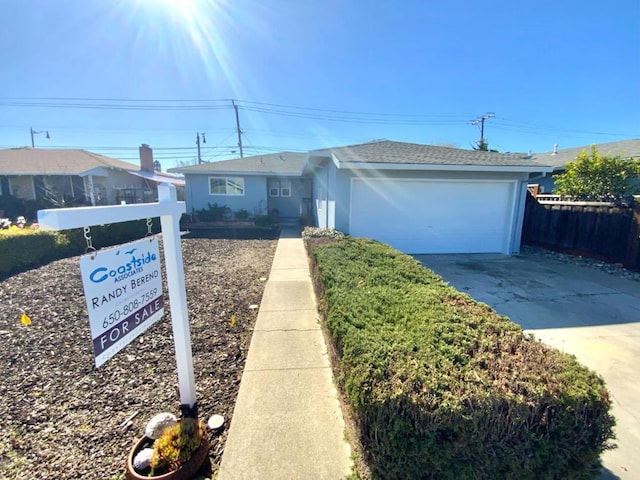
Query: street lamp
{"points": [[34, 132]]}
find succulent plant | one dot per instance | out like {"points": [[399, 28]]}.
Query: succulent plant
{"points": [[177, 444]]}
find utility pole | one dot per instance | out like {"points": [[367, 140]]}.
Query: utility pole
{"points": [[235, 107], [204, 140], [480, 120]]}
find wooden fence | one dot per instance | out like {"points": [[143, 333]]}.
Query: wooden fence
{"points": [[608, 232]]}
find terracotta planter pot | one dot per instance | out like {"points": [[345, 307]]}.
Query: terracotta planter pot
{"points": [[185, 472]]}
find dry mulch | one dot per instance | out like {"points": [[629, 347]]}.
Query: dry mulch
{"points": [[60, 418]]}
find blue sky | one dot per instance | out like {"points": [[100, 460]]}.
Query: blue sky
{"points": [[309, 74]]}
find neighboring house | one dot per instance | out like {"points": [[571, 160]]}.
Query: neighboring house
{"points": [[56, 177], [418, 198], [558, 159], [261, 185]]}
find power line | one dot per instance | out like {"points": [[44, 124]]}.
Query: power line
{"points": [[218, 146], [291, 111], [552, 129]]}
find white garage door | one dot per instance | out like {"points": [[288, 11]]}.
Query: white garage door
{"points": [[430, 216]]}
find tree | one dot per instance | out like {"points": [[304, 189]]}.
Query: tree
{"points": [[483, 146], [594, 177]]}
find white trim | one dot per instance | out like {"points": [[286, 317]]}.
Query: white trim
{"points": [[96, 172], [234, 173], [226, 179]]}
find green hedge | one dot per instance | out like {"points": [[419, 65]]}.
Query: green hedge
{"points": [[21, 249], [441, 386]]}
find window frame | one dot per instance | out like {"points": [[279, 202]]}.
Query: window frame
{"points": [[231, 185], [274, 188], [284, 182]]}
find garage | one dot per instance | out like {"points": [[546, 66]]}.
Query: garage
{"points": [[434, 216]]}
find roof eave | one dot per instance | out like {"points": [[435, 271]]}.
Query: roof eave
{"points": [[244, 174], [449, 167]]}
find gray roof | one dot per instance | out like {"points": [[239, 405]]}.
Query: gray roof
{"points": [[40, 161], [389, 152], [624, 148], [282, 163]]}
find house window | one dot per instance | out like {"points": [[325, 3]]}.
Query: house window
{"points": [[279, 188], [285, 188], [226, 186], [274, 188], [22, 187]]}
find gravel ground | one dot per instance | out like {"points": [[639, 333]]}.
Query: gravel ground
{"points": [[62, 419], [610, 268]]}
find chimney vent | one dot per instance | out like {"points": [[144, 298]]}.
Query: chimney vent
{"points": [[555, 149]]}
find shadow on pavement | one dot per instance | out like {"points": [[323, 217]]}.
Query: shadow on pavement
{"points": [[540, 293], [608, 475]]}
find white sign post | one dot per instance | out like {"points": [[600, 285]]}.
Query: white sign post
{"points": [[169, 210]]}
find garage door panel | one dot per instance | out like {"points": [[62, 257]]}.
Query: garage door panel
{"points": [[434, 216]]}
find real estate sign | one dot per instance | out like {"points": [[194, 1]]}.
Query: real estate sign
{"points": [[123, 291]]}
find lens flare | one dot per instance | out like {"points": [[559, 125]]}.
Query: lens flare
{"points": [[196, 35]]}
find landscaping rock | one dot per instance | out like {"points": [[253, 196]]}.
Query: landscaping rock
{"points": [[610, 268], [215, 422], [159, 423], [143, 459]]}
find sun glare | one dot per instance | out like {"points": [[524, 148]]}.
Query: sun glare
{"points": [[191, 32]]}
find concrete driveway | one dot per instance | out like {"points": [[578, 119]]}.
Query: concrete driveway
{"points": [[575, 308]]}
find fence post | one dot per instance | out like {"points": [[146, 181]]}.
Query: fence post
{"points": [[633, 246]]}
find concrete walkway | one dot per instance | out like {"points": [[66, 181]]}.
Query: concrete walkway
{"points": [[287, 422]]}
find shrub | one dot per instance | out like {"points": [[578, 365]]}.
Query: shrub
{"points": [[24, 248], [111, 234], [241, 214], [592, 176], [215, 213], [306, 220], [443, 387], [261, 221]]}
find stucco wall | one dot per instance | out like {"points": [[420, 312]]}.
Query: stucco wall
{"points": [[254, 199], [291, 206]]}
